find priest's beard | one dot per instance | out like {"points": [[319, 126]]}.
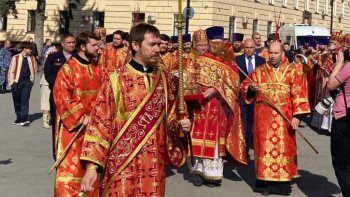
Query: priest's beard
{"points": [[150, 61], [91, 55], [219, 50], [237, 49]]}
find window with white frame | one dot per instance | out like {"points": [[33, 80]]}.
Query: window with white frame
{"points": [[64, 22], [31, 21], [334, 7], [325, 7], [306, 6], [255, 26], [269, 28], [342, 14], [284, 3], [271, 2], [98, 20], [296, 4], [175, 30], [138, 17], [3, 23], [317, 5]]}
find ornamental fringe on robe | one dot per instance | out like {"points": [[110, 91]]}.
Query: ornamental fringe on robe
{"points": [[112, 58], [75, 91], [275, 151], [218, 120], [144, 173]]}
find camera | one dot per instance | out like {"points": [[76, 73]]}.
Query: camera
{"points": [[323, 106]]}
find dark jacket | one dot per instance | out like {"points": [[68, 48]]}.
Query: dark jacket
{"points": [[290, 55], [240, 60], [53, 64]]}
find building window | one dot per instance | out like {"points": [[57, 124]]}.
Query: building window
{"points": [[296, 4], [306, 6], [3, 23], [138, 17], [271, 2], [175, 23], [255, 26], [232, 27], [269, 28], [64, 22], [31, 21], [342, 14], [284, 3], [325, 11], [317, 5], [98, 20], [334, 8]]}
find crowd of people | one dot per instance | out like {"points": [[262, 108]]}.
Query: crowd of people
{"points": [[113, 102]]}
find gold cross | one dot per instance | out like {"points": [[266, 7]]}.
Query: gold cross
{"points": [[211, 134], [198, 133]]}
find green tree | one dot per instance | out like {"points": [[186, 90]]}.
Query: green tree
{"points": [[8, 7]]}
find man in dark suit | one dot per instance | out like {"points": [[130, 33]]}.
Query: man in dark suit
{"points": [[248, 62], [52, 65]]}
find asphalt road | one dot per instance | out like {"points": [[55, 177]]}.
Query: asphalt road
{"points": [[26, 157]]}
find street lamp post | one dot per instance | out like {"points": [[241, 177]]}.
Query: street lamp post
{"points": [[332, 9], [188, 15]]}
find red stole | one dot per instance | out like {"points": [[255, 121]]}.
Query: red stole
{"points": [[139, 128]]}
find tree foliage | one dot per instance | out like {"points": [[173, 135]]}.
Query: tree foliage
{"points": [[8, 7]]}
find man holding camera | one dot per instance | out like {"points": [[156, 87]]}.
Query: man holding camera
{"points": [[340, 136]]}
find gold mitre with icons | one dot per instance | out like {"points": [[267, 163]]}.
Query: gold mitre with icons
{"points": [[200, 37]]}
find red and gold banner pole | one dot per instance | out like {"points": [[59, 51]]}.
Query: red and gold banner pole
{"points": [[181, 79]]}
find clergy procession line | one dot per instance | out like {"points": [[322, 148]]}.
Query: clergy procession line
{"points": [[114, 107]]}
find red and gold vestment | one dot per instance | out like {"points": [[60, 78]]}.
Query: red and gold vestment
{"points": [[171, 61], [113, 58], [119, 139], [75, 91], [275, 151], [318, 76], [218, 120]]}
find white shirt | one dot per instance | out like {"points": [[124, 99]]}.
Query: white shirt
{"points": [[247, 61]]}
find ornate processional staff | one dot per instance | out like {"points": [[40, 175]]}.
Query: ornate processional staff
{"points": [[279, 111], [181, 71], [64, 153], [181, 79]]}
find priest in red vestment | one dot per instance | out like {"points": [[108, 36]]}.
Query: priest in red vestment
{"points": [[217, 131], [77, 85], [115, 54], [275, 151], [134, 130]]}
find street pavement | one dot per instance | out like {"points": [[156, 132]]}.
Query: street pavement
{"points": [[26, 157]]}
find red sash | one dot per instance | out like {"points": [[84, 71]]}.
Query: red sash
{"points": [[138, 129]]}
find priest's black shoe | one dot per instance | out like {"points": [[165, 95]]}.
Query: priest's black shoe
{"points": [[197, 180]]}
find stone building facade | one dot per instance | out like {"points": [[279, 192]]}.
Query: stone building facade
{"points": [[243, 16]]}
